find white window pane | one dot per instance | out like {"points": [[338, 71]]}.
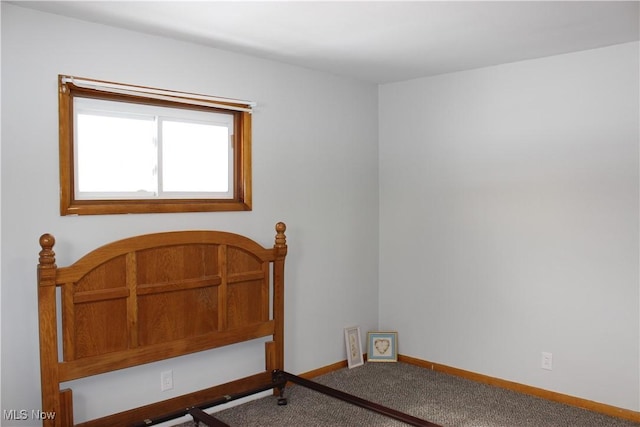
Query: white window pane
{"points": [[195, 157], [115, 154]]}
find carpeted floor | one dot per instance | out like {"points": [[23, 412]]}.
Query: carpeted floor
{"points": [[440, 398]]}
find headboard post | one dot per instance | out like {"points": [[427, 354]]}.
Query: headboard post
{"points": [[48, 332], [280, 249]]}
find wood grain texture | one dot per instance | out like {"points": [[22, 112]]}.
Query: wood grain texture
{"points": [[152, 297]]}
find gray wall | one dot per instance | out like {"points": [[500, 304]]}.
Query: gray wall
{"points": [[509, 221], [314, 167]]}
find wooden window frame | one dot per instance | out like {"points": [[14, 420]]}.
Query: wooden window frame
{"points": [[69, 205]]}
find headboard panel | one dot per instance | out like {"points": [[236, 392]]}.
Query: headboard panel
{"points": [[156, 296]]}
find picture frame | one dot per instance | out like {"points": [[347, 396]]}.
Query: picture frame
{"points": [[382, 347], [353, 344]]}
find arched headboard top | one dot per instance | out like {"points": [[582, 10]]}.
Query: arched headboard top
{"points": [[117, 248]]}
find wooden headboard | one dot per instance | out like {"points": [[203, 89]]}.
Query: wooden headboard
{"points": [[152, 297]]}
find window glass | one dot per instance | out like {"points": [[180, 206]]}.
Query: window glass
{"points": [[107, 144], [195, 158]]}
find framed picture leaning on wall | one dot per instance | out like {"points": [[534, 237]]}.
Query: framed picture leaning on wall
{"points": [[382, 347], [353, 344]]}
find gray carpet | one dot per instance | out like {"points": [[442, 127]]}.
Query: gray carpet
{"points": [[440, 398]]}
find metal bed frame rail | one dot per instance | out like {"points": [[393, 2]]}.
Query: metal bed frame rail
{"points": [[279, 382]]}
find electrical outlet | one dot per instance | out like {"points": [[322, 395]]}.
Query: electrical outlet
{"points": [[166, 380], [547, 361]]}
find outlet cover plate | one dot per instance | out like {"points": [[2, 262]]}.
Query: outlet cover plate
{"points": [[547, 361], [166, 380]]}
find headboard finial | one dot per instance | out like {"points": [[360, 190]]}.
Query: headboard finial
{"points": [[47, 255], [281, 239]]}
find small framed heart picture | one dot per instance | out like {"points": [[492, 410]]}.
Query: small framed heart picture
{"points": [[382, 347]]}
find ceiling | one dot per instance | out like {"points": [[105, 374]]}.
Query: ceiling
{"points": [[375, 41]]}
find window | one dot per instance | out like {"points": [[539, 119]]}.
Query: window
{"points": [[130, 149]]}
